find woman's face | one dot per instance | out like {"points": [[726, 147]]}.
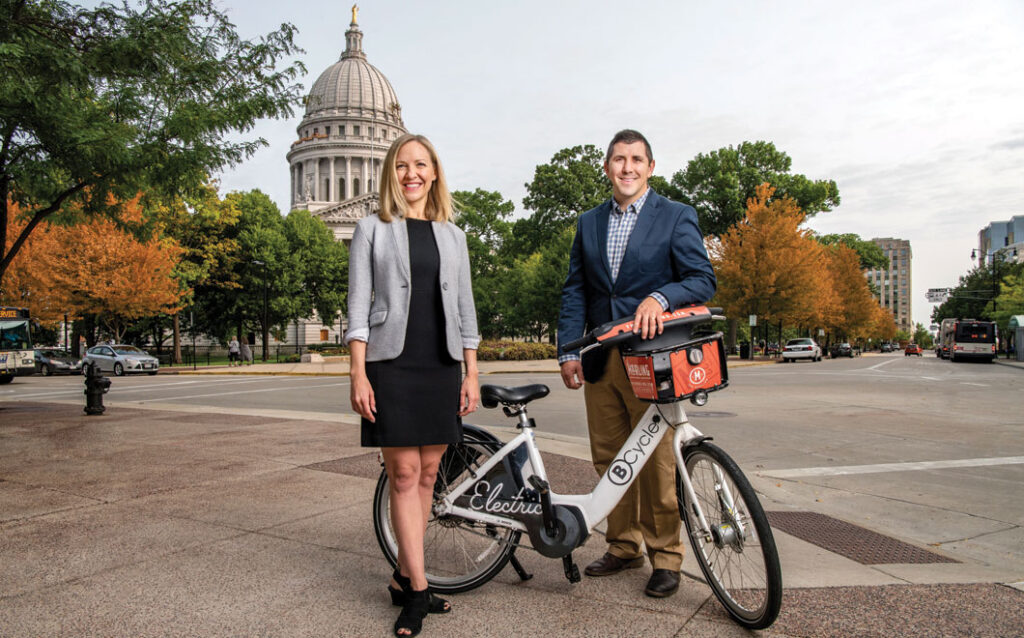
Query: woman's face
{"points": [[415, 172]]}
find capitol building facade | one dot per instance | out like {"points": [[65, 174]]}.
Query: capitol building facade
{"points": [[352, 117]]}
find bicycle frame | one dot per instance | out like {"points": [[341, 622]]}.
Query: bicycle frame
{"points": [[596, 505]]}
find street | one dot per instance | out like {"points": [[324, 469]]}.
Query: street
{"points": [[918, 448]]}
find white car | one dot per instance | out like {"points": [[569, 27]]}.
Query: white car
{"points": [[120, 359], [804, 348]]}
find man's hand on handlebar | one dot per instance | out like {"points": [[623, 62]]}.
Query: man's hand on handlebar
{"points": [[572, 374], [648, 322]]}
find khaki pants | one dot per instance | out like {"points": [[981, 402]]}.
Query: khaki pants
{"points": [[648, 513]]}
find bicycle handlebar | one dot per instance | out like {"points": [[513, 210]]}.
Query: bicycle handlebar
{"points": [[619, 330]]}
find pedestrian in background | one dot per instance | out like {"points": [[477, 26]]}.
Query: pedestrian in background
{"points": [[412, 325], [246, 352], [637, 254], [234, 352]]}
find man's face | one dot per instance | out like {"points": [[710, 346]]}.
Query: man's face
{"points": [[628, 168]]}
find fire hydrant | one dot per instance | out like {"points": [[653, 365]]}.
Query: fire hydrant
{"points": [[96, 385]]}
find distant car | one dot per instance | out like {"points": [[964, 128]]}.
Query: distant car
{"points": [[120, 359], [886, 347], [912, 348], [804, 348], [841, 350], [50, 361]]}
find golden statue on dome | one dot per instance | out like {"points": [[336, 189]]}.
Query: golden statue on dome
{"points": [[355, 13]]}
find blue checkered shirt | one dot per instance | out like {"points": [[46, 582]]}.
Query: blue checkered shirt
{"points": [[620, 227]]}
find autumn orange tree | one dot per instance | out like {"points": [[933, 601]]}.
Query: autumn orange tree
{"points": [[768, 266], [854, 316], [95, 268]]}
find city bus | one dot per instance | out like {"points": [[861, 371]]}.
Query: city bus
{"points": [[969, 339], [17, 358]]}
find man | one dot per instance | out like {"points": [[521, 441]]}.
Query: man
{"points": [[638, 255]]}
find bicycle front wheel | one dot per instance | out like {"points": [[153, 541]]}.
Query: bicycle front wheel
{"points": [[737, 553], [459, 554]]}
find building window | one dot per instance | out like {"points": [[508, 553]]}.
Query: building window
{"points": [[369, 186], [369, 132], [324, 334], [327, 131], [341, 189], [355, 130], [341, 130], [355, 185]]}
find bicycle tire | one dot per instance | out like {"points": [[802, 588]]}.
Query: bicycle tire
{"points": [[459, 554], [743, 572]]}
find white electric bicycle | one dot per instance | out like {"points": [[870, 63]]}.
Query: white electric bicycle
{"points": [[489, 494]]}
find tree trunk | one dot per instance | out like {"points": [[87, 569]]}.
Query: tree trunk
{"points": [[176, 329], [730, 333]]}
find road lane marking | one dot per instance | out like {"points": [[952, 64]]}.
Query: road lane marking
{"points": [[842, 470], [224, 394], [879, 365], [118, 389]]}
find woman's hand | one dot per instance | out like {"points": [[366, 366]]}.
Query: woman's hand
{"points": [[363, 401], [469, 398]]}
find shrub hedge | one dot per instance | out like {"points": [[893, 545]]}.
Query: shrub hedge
{"points": [[514, 351]]}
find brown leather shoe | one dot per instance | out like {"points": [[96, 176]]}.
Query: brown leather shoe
{"points": [[662, 584], [610, 564]]}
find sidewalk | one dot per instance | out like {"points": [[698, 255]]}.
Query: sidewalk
{"points": [[149, 522]]}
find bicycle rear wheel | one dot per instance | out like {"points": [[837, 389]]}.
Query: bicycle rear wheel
{"points": [[459, 554], [742, 567]]}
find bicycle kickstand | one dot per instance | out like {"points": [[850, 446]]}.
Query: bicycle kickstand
{"points": [[572, 572], [516, 565]]}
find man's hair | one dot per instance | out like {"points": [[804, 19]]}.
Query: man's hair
{"points": [[629, 136]]}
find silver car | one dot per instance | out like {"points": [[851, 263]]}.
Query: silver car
{"points": [[120, 359], [804, 348]]}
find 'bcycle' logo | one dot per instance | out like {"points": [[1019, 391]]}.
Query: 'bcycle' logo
{"points": [[620, 472]]}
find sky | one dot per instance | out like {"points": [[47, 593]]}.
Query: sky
{"points": [[914, 108]]}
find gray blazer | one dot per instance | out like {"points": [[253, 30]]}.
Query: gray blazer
{"points": [[379, 292]]}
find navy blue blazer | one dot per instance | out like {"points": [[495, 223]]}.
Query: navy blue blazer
{"points": [[665, 254]]}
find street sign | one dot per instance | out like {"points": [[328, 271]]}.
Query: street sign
{"points": [[753, 320], [938, 295]]}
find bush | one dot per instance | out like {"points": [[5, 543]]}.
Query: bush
{"points": [[328, 349], [514, 351]]}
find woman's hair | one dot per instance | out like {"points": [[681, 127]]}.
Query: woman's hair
{"points": [[392, 201]]}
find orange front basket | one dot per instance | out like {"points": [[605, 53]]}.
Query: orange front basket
{"points": [[679, 372]]}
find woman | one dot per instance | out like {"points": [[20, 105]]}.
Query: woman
{"points": [[412, 324]]}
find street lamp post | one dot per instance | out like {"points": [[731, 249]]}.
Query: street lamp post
{"points": [[266, 326]]}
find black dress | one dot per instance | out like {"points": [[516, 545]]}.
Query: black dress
{"points": [[417, 394]]}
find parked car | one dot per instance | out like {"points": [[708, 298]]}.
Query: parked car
{"points": [[886, 347], [841, 350], [912, 348], [50, 361], [120, 359], [804, 348]]}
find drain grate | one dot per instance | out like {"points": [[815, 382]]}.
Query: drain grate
{"points": [[846, 539]]}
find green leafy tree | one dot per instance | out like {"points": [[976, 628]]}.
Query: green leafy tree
{"points": [[872, 257], [570, 184], [719, 184], [484, 216], [97, 105], [533, 289], [922, 337], [321, 265]]}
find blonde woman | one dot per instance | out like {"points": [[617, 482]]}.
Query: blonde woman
{"points": [[412, 327]]}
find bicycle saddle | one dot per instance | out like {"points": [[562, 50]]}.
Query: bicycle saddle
{"points": [[492, 395]]}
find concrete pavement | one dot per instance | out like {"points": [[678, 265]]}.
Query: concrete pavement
{"points": [[151, 522]]}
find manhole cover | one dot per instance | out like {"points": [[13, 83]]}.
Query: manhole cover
{"points": [[846, 539]]}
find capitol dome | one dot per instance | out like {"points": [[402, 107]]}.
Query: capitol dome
{"points": [[352, 117], [353, 86]]}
